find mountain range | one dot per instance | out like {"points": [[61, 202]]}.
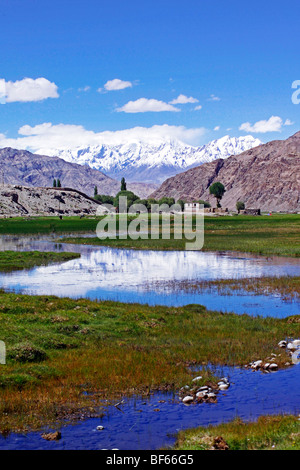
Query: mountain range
{"points": [[152, 162], [29, 169], [265, 177]]}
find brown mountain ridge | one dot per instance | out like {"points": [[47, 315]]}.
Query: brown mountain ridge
{"points": [[265, 177]]}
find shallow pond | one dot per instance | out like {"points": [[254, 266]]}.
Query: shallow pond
{"points": [[141, 426], [142, 276]]}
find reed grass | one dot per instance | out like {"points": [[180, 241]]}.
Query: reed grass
{"points": [[109, 349]]}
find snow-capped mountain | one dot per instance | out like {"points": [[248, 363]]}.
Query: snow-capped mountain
{"points": [[147, 162]]}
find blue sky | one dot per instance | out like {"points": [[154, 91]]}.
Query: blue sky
{"points": [[231, 63]]}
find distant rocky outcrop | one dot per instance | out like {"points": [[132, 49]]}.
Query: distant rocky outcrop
{"points": [[265, 177], [24, 201], [21, 167]]}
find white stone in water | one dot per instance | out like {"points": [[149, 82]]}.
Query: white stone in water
{"points": [[224, 379], [293, 345], [273, 366], [201, 394], [267, 365], [205, 387], [100, 428], [211, 395], [296, 357], [257, 364], [187, 399], [223, 386]]}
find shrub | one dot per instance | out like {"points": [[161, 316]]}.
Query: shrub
{"points": [[27, 352], [240, 206]]}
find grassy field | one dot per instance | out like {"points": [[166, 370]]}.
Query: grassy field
{"points": [[278, 234], [267, 433], [13, 260], [30, 225], [265, 235], [57, 348]]}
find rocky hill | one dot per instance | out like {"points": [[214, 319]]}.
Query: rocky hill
{"points": [[21, 167], [265, 177], [18, 200]]}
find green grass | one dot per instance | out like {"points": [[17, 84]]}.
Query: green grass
{"points": [[288, 287], [267, 433], [59, 347], [278, 234], [265, 235], [29, 225], [13, 260]]}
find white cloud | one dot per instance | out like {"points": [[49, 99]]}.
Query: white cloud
{"points": [[47, 138], [217, 128], [144, 105], [27, 90], [288, 122], [116, 84], [84, 89], [197, 108], [182, 99], [214, 98], [273, 124]]}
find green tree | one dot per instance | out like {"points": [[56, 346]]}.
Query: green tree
{"points": [[123, 184], [131, 198], [205, 203], [104, 199], [58, 183], [218, 190], [167, 200], [95, 191], [145, 203], [240, 206], [181, 203], [54, 183]]}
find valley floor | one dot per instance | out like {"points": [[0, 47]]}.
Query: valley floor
{"points": [[59, 349]]}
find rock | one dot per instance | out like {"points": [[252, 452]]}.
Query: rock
{"points": [[52, 436], [273, 366], [188, 399], [202, 394], [223, 386], [220, 443], [296, 357], [293, 345], [196, 379], [256, 364], [100, 428], [282, 344], [224, 379]]}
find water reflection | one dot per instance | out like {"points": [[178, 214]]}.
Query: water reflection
{"points": [[125, 275]]}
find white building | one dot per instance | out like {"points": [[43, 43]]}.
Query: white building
{"points": [[193, 207]]}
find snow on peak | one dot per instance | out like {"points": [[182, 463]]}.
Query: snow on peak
{"points": [[137, 160]]}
